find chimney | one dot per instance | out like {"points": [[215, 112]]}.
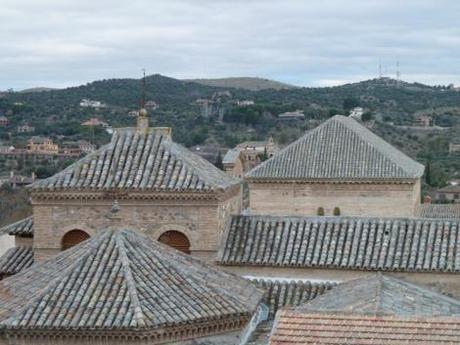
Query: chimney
{"points": [[34, 176], [11, 174]]}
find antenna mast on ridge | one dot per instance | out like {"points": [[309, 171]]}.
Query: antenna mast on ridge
{"points": [[398, 72], [380, 70], [143, 90]]}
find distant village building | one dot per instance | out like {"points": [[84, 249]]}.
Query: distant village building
{"points": [[76, 148], [357, 113], [25, 129], [244, 103], [86, 146], [448, 194], [87, 103], [233, 162], [338, 168], [42, 145], [6, 149], [4, 122], [14, 180], [133, 113], [454, 147], [151, 105], [247, 155], [424, 121], [95, 122], [292, 115]]}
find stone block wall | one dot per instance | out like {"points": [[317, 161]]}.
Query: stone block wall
{"points": [[201, 221], [357, 199]]}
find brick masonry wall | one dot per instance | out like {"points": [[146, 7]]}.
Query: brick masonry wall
{"points": [[395, 200], [201, 221]]}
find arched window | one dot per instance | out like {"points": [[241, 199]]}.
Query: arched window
{"points": [[73, 237], [337, 211], [320, 211], [176, 240]]}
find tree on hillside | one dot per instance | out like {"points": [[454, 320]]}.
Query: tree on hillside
{"points": [[219, 164], [350, 103]]}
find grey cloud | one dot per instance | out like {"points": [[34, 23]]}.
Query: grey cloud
{"points": [[64, 42]]}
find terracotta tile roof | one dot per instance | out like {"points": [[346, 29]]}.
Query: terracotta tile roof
{"points": [[340, 148], [386, 244], [296, 328], [23, 227], [15, 260], [377, 309], [378, 294], [121, 280], [280, 294], [447, 211], [145, 161]]}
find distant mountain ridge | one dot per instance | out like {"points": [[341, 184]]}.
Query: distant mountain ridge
{"points": [[246, 83]]}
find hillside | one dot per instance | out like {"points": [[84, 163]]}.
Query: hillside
{"points": [[246, 83], [222, 117]]}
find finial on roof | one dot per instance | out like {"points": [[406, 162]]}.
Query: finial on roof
{"points": [[142, 118], [115, 207], [113, 216]]}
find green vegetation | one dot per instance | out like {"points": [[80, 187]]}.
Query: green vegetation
{"points": [[14, 204], [389, 106]]}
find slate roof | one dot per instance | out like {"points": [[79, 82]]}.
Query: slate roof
{"points": [[339, 148], [142, 161], [23, 227], [121, 280], [379, 244], [231, 156], [293, 327], [380, 295], [15, 260], [443, 211], [280, 294]]}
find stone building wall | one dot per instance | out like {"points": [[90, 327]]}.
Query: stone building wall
{"points": [[363, 199], [202, 221]]}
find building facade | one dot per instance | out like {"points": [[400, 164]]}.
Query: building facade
{"points": [[339, 168], [161, 189], [42, 145]]}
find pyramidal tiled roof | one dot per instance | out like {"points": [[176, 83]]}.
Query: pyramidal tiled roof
{"points": [[340, 148], [121, 280], [15, 260], [23, 227], [359, 243], [379, 294], [139, 160]]}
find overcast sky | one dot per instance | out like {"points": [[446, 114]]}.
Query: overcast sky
{"points": [[60, 43]]}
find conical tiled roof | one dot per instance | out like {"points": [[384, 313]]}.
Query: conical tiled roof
{"points": [[121, 280], [139, 160], [379, 294], [340, 148]]}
